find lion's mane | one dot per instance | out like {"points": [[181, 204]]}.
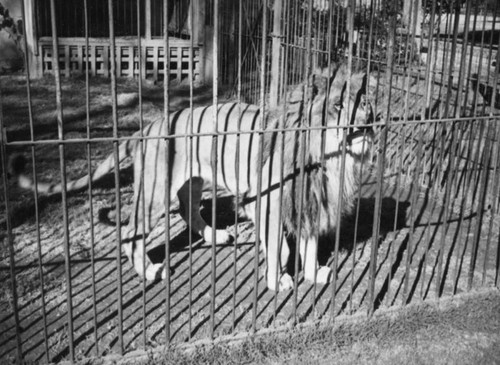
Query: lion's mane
{"points": [[322, 179]]}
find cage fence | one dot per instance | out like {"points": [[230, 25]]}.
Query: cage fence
{"points": [[425, 221]]}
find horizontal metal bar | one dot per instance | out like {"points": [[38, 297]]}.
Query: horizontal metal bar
{"points": [[255, 131]]}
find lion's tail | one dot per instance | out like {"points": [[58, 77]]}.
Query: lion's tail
{"points": [[17, 168]]}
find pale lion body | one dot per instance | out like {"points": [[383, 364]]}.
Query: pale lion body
{"points": [[190, 172]]}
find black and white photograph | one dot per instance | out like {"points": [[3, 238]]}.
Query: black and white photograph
{"points": [[249, 182]]}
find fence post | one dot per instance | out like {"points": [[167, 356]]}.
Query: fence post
{"points": [[276, 54]]}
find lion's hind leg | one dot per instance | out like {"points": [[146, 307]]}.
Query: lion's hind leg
{"points": [[190, 211], [148, 208], [137, 235], [273, 243]]}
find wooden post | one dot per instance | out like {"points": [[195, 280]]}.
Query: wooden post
{"points": [[35, 63], [206, 38], [407, 12], [198, 21], [276, 55], [147, 17], [91, 57], [156, 51], [199, 31], [413, 12], [67, 71], [105, 60]]}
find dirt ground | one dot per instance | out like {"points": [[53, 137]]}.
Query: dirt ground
{"points": [[426, 249]]}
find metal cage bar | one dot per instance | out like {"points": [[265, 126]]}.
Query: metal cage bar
{"points": [[166, 109], [119, 292], [62, 167], [89, 164]]}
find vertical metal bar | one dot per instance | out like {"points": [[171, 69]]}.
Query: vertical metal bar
{"points": [[276, 50], [415, 186], [461, 74], [471, 54], [472, 154], [214, 164], [356, 227], [485, 163], [440, 150], [237, 161], [490, 54], [284, 101], [472, 158], [495, 163], [494, 205], [166, 100], [337, 28], [481, 62], [62, 166], [369, 60], [457, 109], [89, 161], [414, 191], [303, 141], [453, 143], [380, 167], [10, 238], [429, 73], [260, 147], [350, 28], [439, 283], [329, 47], [370, 37], [142, 146], [299, 32], [119, 289], [190, 159], [35, 191]]}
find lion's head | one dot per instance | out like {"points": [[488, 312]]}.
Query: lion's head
{"points": [[333, 108]]}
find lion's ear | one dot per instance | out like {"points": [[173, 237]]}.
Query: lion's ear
{"points": [[321, 78], [319, 85], [358, 82]]}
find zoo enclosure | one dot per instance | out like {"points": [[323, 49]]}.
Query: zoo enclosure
{"points": [[431, 196]]}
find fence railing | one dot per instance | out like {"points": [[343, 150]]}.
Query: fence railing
{"points": [[424, 221]]}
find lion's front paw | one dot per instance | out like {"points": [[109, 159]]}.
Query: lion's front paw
{"points": [[286, 282], [154, 271], [221, 236], [323, 275]]}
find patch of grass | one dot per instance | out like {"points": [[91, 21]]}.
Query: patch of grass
{"points": [[461, 330]]}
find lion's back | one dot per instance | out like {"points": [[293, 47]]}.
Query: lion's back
{"points": [[234, 135]]}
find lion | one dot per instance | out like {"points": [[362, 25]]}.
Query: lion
{"points": [[313, 119]]}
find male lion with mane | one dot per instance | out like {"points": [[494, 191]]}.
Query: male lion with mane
{"points": [[189, 169]]}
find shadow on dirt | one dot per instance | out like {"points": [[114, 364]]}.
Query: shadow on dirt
{"points": [[24, 209], [225, 217], [358, 228], [393, 217], [74, 115]]}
